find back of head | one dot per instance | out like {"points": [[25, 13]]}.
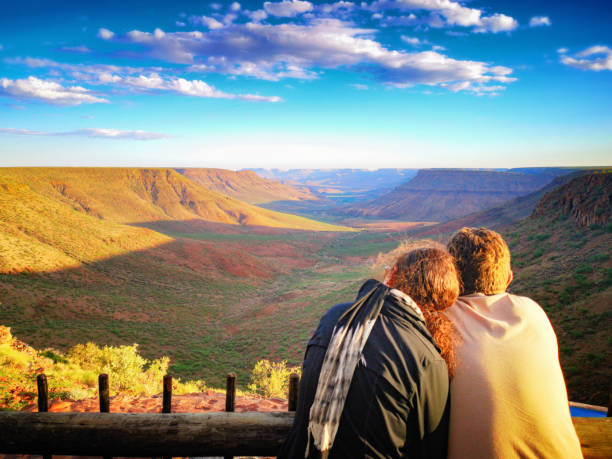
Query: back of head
{"points": [[429, 276], [483, 260]]}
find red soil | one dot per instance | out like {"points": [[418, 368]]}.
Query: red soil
{"points": [[190, 403]]}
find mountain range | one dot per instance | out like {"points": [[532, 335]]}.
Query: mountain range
{"points": [[443, 194]]}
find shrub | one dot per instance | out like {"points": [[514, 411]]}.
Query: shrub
{"points": [[124, 366], [271, 379], [50, 354], [583, 269], [598, 258]]}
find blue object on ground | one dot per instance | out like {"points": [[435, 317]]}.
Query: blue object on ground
{"points": [[586, 413]]}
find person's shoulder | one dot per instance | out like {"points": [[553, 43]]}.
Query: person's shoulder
{"points": [[323, 333], [528, 306]]}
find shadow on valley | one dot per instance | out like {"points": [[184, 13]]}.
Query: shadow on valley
{"points": [[216, 298]]}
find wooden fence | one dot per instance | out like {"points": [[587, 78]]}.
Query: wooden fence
{"points": [[169, 434]]}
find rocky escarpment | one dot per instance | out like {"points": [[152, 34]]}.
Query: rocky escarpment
{"points": [[444, 194], [586, 199]]}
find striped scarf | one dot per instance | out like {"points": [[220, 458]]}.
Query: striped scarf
{"points": [[343, 353]]}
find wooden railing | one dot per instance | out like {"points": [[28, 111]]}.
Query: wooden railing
{"points": [[186, 434]]}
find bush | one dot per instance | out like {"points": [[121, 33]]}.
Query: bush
{"points": [[598, 257], [124, 366], [271, 379]]}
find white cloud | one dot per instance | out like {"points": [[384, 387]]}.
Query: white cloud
{"points": [[287, 8], [140, 79], [444, 13], [235, 6], [180, 24], [195, 88], [91, 132], [414, 41], [595, 58], [105, 34], [562, 50], [47, 91], [257, 15], [360, 87], [539, 21], [273, 52], [497, 23], [341, 6]]}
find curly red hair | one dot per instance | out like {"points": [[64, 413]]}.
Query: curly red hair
{"points": [[431, 278]]}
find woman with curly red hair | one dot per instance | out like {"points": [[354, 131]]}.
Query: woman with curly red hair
{"points": [[375, 378]]}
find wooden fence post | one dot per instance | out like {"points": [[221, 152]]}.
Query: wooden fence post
{"points": [[294, 382], [43, 398], [167, 399], [43, 393], [103, 393], [104, 396], [230, 397], [610, 404], [230, 392]]}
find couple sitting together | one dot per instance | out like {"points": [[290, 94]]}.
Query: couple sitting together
{"points": [[438, 361]]}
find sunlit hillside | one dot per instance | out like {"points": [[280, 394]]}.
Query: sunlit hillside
{"points": [[41, 230], [146, 195], [246, 186]]}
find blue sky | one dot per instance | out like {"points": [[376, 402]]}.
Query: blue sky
{"points": [[388, 83]]}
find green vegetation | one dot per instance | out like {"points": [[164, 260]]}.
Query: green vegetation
{"points": [[74, 375], [271, 379], [568, 271]]}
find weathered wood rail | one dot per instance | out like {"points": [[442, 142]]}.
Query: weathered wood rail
{"points": [[169, 434]]}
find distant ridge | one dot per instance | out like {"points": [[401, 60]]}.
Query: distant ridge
{"points": [[444, 194], [125, 195], [246, 185], [507, 213], [335, 181]]}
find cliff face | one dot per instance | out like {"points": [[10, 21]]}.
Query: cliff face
{"points": [[245, 185], [586, 199], [440, 195]]}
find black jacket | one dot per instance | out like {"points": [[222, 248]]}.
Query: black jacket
{"points": [[397, 404]]}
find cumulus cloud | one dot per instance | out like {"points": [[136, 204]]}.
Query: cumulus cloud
{"points": [[206, 21], [105, 34], [445, 13], [235, 6], [496, 23], [136, 79], [257, 15], [195, 88], [595, 58], [414, 41], [287, 8], [91, 132], [335, 7], [539, 21], [48, 91], [272, 52]]}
